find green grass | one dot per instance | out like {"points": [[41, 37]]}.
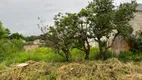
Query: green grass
{"points": [[45, 54], [130, 56], [48, 55], [40, 54], [47, 59]]}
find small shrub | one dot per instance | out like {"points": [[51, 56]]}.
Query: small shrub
{"points": [[94, 53], [108, 55], [77, 55], [130, 56], [135, 41], [52, 76]]}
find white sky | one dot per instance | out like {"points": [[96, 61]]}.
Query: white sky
{"points": [[21, 15]]}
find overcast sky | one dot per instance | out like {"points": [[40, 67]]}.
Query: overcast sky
{"points": [[21, 15]]}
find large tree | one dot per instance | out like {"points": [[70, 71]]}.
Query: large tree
{"points": [[81, 30], [98, 21], [60, 35], [105, 18]]}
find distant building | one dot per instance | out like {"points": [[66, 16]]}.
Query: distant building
{"points": [[35, 44]]}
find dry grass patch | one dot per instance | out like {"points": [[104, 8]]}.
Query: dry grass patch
{"points": [[111, 69]]}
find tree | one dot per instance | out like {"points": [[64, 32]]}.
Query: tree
{"points": [[77, 30], [32, 38], [60, 35], [98, 21], [104, 19], [8, 46], [16, 36], [3, 32], [74, 31], [81, 30]]}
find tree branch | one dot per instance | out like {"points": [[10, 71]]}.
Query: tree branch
{"points": [[113, 40]]}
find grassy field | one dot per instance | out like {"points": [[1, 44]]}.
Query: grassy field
{"points": [[44, 54], [45, 64]]}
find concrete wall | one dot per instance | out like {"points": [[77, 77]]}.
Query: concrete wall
{"points": [[120, 44], [31, 47], [137, 22]]}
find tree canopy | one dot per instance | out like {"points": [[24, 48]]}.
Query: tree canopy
{"points": [[98, 21], [3, 32]]}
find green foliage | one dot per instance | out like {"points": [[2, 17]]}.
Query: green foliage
{"points": [[135, 41], [48, 55], [103, 20], [32, 38], [97, 21], [40, 54], [108, 54], [59, 36], [3, 32], [8, 47], [77, 55], [16, 36], [130, 56], [45, 54], [52, 76]]}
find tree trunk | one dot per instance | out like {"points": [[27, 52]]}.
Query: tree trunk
{"points": [[67, 55], [87, 55], [101, 52], [87, 50]]}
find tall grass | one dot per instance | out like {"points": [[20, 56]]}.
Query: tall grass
{"points": [[48, 55], [8, 47], [39, 54], [45, 54]]}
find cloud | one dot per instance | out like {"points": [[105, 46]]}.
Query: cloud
{"points": [[21, 15], [139, 1]]}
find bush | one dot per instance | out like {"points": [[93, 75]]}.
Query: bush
{"points": [[130, 56], [40, 54], [94, 54], [108, 55], [8, 47], [77, 55], [136, 42]]}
